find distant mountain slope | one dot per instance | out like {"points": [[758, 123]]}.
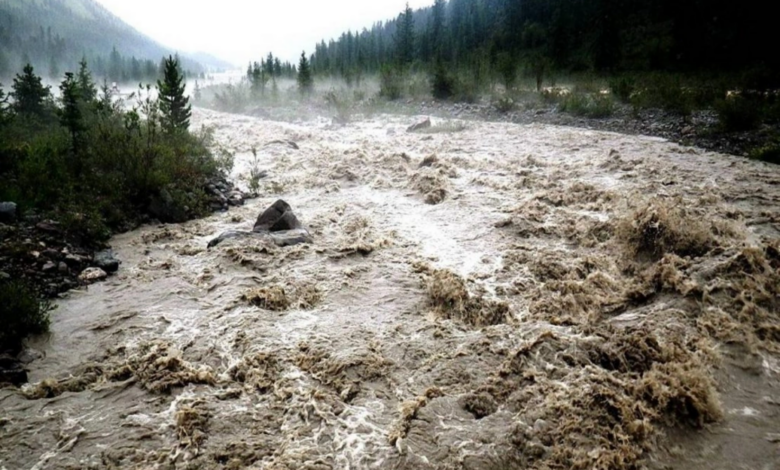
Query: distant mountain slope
{"points": [[208, 60], [55, 34]]}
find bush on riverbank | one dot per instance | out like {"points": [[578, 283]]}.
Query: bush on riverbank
{"points": [[93, 166], [88, 161], [22, 313]]}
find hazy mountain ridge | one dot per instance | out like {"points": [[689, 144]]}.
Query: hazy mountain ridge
{"points": [[55, 34]]}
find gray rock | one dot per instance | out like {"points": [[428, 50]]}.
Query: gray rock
{"points": [[7, 212], [291, 237], [419, 126], [91, 275], [62, 267], [277, 218], [286, 222], [4, 276], [74, 260], [278, 223], [49, 266], [29, 355], [106, 261], [236, 199], [281, 239]]}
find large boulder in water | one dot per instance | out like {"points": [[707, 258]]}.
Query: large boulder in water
{"points": [[278, 223], [106, 261], [277, 218]]}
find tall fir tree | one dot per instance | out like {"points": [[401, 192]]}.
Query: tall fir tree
{"points": [[29, 94], [257, 80], [5, 112], [71, 117], [305, 79], [404, 38], [84, 82], [175, 106], [437, 30]]}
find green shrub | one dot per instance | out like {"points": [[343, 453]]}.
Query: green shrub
{"points": [[390, 83], [768, 153], [574, 103], [592, 106], [466, 90], [504, 104], [22, 313], [665, 93], [623, 88], [442, 84], [554, 95], [739, 113]]}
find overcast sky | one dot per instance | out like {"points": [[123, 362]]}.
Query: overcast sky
{"points": [[242, 30]]}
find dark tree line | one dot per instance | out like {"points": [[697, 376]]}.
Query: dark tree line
{"points": [[498, 36], [265, 73]]}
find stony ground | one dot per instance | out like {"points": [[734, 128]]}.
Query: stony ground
{"points": [[476, 297]]}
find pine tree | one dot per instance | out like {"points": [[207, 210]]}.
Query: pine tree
{"points": [[404, 38], [115, 66], [257, 80], [305, 80], [437, 29], [198, 93], [174, 105], [5, 112], [70, 115], [29, 93], [86, 86]]}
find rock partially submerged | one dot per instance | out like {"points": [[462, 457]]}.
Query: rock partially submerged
{"points": [[106, 261], [277, 218], [420, 125], [91, 275], [278, 223]]}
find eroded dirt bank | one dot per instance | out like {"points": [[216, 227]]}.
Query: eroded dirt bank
{"points": [[530, 297]]}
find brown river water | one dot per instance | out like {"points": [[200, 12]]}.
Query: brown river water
{"points": [[342, 354]]}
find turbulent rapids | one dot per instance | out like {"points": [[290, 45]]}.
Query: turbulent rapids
{"points": [[485, 296]]}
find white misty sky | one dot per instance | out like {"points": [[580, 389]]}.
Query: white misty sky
{"points": [[243, 30]]}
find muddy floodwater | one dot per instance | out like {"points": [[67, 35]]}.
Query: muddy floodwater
{"points": [[494, 297]]}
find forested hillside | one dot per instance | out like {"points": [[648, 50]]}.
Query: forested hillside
{"points": [[497, 36], [54, 35]]}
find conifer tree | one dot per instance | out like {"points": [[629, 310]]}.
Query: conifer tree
{"points": [[174, 105], [5, 113], [257, 80], [29, 93], [437, 29], [404, 38], [86, 86], [71, 117], [305, 80]]}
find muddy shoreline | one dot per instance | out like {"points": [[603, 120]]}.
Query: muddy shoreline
{"points": [[701, 129]]}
